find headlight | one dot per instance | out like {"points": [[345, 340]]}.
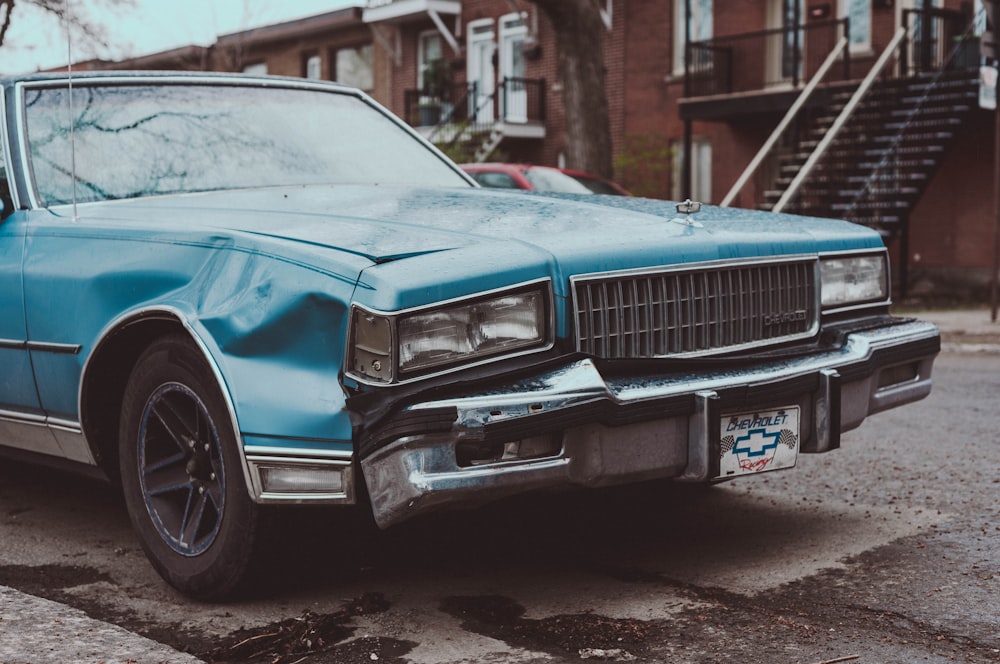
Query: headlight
{"points": [[850, 280], [387, 348]]}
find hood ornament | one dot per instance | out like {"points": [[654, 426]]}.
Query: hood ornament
{"points": [[688, 207]]}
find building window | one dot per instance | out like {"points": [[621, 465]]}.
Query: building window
{"points": [[353, 66], [430, 57], [314, 67], [858, 12], [699, 22], [257, 68], [701, 170]]}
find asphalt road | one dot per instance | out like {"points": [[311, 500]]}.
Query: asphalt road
{"points": [[887, 550]]}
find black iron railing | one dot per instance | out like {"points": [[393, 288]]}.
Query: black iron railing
{"points": [[513, 100], [900, 131], [937, 38], [761, 60]]}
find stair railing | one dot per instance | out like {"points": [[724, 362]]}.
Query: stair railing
{"points": [[786, 121], [886, 162], [838, 124]]}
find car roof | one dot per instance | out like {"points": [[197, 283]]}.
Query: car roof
{"points": [[119, 74]]}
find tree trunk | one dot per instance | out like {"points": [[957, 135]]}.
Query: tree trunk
{"points": [[579, 43]]}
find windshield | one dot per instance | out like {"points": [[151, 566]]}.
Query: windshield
{"points": [[144, 140]]}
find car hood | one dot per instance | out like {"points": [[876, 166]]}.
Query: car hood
{"points": [[385, 224], [409, 247]]}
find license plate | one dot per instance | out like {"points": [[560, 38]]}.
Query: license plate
{"points": [[758, 441]]}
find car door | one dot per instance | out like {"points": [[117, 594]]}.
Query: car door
{"points": [[21, 417]]}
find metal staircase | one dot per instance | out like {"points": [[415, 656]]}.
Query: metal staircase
{"points": [[876, 169], [477, 123], [870, 151]]}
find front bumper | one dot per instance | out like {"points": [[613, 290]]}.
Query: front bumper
{"points": [[583, 428]]}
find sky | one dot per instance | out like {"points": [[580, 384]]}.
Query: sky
{"points": [[37, 40]]}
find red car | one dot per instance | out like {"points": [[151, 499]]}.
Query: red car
{"points": [[541, 178]]}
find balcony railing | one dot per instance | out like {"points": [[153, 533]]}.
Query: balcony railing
{"points": [[937, 39], [761, 60], [515, 100], [786, 56]]}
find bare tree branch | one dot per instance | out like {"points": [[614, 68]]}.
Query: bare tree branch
{"points": [[7, 7], [79, 16]]}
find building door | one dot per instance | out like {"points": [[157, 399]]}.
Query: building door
{"points": [[927, 51], [479, 70], [513, 33], [785, 42]]}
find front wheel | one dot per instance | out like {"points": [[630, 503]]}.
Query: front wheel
{"points": [[182, 475]]}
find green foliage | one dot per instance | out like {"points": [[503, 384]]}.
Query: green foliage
{"points": [[643, 166], [460, 144], [437, 79]]}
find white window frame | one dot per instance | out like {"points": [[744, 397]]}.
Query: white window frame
{"points": [[422, 61], [702, 28], [335, 65], [314, 67], [480, 32], [843, 11], [701, 169]]}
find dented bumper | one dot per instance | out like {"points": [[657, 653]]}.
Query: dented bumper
{"points": [[575, 426]]}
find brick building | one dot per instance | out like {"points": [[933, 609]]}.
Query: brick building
{"points": [[695, 88]]}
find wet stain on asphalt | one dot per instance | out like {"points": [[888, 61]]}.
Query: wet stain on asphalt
{"points": [[312, 637], [502, 618], [48, 580]]}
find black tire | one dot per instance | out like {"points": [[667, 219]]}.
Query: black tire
{"points": [[182, 475]]}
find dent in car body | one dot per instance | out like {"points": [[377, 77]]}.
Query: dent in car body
{"points": [[252, 312]]}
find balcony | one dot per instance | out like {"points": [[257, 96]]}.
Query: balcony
{"points": [[401, 11], [757, 71], [763, 71], [514, 101], [468, 118]]}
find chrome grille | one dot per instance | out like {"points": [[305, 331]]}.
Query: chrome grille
{"points": [[709, 308]]}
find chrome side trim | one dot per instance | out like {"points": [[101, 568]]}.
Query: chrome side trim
{"points": [[45, 435], [24, 418], [220, 380], [173, 314], [298, 453], [30, 434], [22, 145], [58, 349], [42, 346], [7, 156]]}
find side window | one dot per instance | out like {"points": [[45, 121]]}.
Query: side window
{"points": [[501, 180], [6, 202], [354, 66]]}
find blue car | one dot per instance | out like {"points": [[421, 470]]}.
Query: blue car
{"points": [[227, 292]]}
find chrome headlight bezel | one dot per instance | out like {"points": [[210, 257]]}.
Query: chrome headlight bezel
{"points": [[380, 343], [851, 280]]}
